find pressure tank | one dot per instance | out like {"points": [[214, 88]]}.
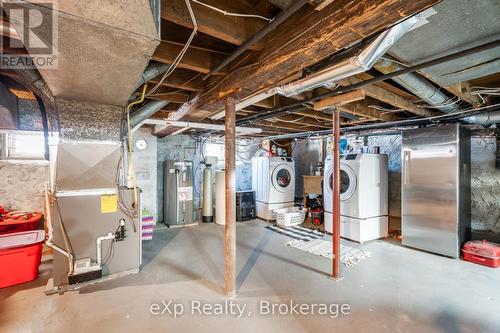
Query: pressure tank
{"points": [[220, 197], [207, 212]]}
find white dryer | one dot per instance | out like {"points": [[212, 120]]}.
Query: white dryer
{"points": [[363, 196], [273, 180]]}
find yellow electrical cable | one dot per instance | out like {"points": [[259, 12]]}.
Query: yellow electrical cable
{"points": [[129, 130]]}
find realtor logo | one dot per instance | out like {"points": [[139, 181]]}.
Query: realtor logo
{"points": [[29, 34]]}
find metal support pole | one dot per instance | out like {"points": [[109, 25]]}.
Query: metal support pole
{"points": [[230, 140], [336, 196]]}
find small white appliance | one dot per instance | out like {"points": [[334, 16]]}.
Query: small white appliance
{"points": [[363, 196], [273, 180]]}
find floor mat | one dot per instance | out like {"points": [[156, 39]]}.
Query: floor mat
{"points": [[297, 232], [349, 256], [314, 242]]}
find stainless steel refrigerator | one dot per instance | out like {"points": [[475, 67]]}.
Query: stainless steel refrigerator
{"points": [[436, 189], [178, 192]]}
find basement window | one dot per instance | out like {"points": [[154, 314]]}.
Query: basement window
{"points": [[22, 146]]}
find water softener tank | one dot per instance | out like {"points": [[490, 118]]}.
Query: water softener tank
{"points": [[207, 212]]}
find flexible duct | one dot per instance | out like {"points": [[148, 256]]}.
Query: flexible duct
{"points": [[417, 85], [146, 111], [358, 63], [153, 70]]}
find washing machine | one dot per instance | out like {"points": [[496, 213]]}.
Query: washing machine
{"points": [[363, 196], [273, 180]]}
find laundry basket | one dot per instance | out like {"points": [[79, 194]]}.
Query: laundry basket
{"points": [[289, 217]]}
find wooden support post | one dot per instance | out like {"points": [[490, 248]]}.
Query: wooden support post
{"points": [[336, 196], [230, 139]]}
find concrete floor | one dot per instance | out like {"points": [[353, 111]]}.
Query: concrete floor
{"points": [[397, 289]]}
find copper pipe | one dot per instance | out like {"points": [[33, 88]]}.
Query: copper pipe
{"points": [[336, 196], [230, 236]]}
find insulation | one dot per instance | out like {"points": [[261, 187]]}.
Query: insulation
{"points": [[102, 48]]}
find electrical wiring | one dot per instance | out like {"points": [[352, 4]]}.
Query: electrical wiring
{"points": [[130, 152], [179, 57], [226, 13]]}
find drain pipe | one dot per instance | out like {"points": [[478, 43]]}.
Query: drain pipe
{"points": [[417, 85], [280, 18]]}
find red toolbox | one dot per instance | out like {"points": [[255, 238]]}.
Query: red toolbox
{"points": [[482, 253], [19, 264]]}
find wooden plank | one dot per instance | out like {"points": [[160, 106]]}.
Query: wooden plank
{"points": [[349, 97], [321, 34], [298, 119], [389, 87], [182, 79], [361, 109], [388, 97], [194, 59], [178, 34], [314, 114], [286, 126], [170, 97], [235, 30], [396, 100], [230, 228]]}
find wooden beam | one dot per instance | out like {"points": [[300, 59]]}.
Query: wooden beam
{"points": [[178, 34], [182, 79], [388, 97], [194, 59], [230, 230], [314, 114], [298, 119], [173, 97], [349, 97], [395, 100], [287, 126], [387, 86], [235, 30], [343, 23], [361, 109]]}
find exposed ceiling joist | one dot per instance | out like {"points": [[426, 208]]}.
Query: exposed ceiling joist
{"points": [[388, 97], [319, 35], [194, 59], [349, 97], [235, 30], [183, 79], [361, 108]]}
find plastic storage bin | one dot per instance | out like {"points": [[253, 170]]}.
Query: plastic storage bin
{"points": [[482, 253], [19, 264]]}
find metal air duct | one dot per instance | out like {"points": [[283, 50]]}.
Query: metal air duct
{"points": [[487, 118], [417, 85], [358, 63], [146, 111]]}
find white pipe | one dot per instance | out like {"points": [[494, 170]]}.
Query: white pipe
{"points": [[50, 231], [163, 123], [99, 246]]}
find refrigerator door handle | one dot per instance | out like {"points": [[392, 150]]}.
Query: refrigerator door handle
{"points": [[406, 166]]}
